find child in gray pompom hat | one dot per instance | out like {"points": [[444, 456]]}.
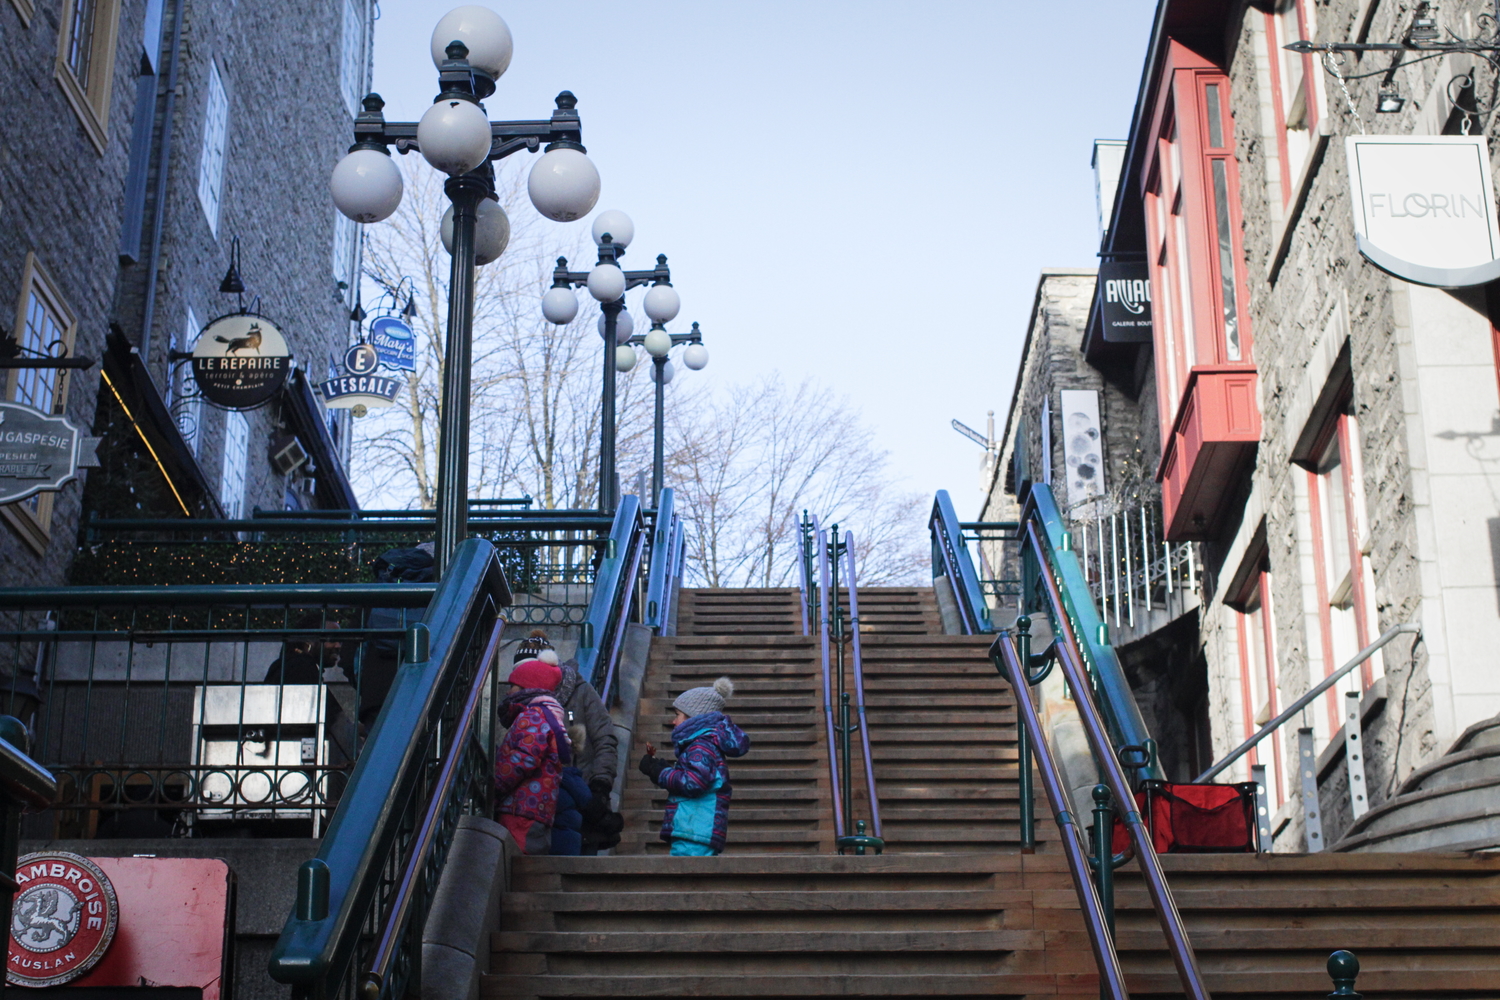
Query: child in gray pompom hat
{"points": [[697, 818]]}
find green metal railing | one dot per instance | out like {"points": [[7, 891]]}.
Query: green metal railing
{"points": [[950, 557], [614, 598], [362, 902], [668, 549], [160, 709]]}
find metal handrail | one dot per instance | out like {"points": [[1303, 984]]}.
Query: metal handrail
{"points": [[820, 538], [1095, 920], [1113, 773], [439, 808], [339, 892], [1075, 615], [1405, 628], [614, 590], [949, 549], [805, 559], [420, 521], [859, 685], [663, 538]]}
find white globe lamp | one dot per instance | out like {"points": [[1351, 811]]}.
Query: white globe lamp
{"points": [[563, 185], [658, 342], [616, 224], [559, 305], [695, 357], [366, 185], [624, 327], [624, 358], [491, 232], [667, 371], [454, 136], [662, 303], [606, 282], [484, 32]]}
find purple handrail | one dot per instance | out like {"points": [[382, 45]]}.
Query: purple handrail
{"points": [[1113, 773], [1111, 977], [859, 684], [833, 760]]}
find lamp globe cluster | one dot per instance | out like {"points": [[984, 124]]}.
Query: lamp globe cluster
{"points": [[455, 136]]}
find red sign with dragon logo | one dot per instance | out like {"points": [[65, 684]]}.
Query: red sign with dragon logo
{"points": [[63, 919]]}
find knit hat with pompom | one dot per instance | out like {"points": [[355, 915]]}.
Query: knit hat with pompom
{"points": [[535, 647], [535, 675], [701, 701]]}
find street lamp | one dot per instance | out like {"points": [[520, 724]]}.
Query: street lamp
{"points": [[608, 283], [471, 47], [659, 343]]}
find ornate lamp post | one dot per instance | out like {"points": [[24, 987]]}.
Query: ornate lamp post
{"points": [[471, 47], [608, 283], [658, 344]]}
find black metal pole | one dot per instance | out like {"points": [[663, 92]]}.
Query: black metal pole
{"points": [[458, 357], [656, 445], [607, 499]]}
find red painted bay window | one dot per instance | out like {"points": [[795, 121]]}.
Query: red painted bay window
{"points": [[1206, 387]]}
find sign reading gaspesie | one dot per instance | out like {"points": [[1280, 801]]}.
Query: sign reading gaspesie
{"points": [[240, 361], [63, 920], [39, 452], [1424, 207]]}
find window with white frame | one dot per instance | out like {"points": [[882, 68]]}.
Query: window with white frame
{"points": [[236, 463], [45, 326], [345, 245], [215, 134], [1342, 575], [85, 61], [352, 67], [1294, 88], [185, 403], [1260, 684]]}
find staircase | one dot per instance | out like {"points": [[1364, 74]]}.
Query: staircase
{"points": [[942, 726], [1452, 804], [952, 908]]}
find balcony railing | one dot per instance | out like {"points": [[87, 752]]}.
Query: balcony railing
{"points": [[1130, 566]]}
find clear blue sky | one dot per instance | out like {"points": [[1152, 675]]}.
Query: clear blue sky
{"points": [[860, 192]]}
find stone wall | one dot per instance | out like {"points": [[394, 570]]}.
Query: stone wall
{"points": [[63, 200]]}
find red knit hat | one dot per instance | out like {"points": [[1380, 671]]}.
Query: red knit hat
{"points": [[533, 674]]}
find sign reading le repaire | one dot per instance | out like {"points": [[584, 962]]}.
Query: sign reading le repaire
{"points": [[1424, 207], [39, 453], [1125, 302], [240, 361]]}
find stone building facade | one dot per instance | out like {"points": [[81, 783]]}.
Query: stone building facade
{"points": [[148, 137], [1325, 431]]}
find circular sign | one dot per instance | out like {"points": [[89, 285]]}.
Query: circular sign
{"points": [[62, 921], [240, 361], [361, 359]]}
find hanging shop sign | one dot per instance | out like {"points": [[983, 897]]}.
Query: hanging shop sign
{"points": [[39, 453], [62, 921], [1083, 444], [1424, 207], [354, 391], [240, 361], [394, 342], [1125, 302]]}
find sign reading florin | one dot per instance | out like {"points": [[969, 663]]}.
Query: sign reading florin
{"points": [[63, 920], [240, 361], [1424, 207]]}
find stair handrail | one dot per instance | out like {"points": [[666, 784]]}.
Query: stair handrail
{"points": [[661, 574], [677, 559], [1106, 756], [339, 901], [23, 784], [806, 559], [1008, 660], [859, 686], [1075, 615], [824, 634], [613, 596], [1311, 695], [950, 551]]}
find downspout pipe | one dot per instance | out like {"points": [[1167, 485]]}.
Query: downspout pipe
{"points": [[159, 210]]}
